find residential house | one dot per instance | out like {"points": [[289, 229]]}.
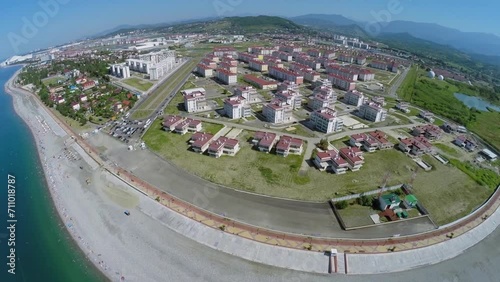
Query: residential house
{"points": [[170, 121], [289, 145], [223, 146], [200, 141], [353, 156], [264, 141], [417, 146], [188, 125], [429, 131], [464, 142], [331, 161]]}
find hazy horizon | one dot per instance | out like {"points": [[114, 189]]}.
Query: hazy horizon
{"points": [[31, 24]]}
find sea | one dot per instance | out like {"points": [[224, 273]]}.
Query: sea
{"points": [[43, 250]]}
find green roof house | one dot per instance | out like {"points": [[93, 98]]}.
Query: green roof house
{"points": [[389, 201]]}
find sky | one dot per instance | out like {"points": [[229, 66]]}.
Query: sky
{"points": [[31, 24]]}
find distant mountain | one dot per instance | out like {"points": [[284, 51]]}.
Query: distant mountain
{"points": [[242, 25], [323, 19], [470, 42]]}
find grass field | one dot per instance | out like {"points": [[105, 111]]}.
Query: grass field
{"points": [[155, 98], [53, 80], [356, 215], [448, 150], [447, 193], [138, 83], [446, 198], [487, 125], [299, 130]]}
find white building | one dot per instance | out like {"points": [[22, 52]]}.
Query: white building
{"points": [[326, 120], [156, 64], [354, 98], [291, 97], [194, 100], [237, 107], [204, 70], [373, 112], [247, 92], [277, 111], [323, 97], [227, 77], [120, 70]]}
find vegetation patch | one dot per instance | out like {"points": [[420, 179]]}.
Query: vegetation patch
{"points": [[482, 176]]}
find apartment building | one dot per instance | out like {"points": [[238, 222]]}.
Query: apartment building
{"points": [[228, 66], [246, 57], [314, 53], [227, 77], [311, 63], [260, 82], [237, 107], [284, 74], [464, 142], [224, 51], [258, 65], [347, 73], [194, 100], [379, 100], [365, 75], [277, 111], [345, 58], [326, 120], [360, 60], [291, 97], [342, 83], [354, 98], [204, 70], [323, 97], [248, 92], [283, 56], [290, 48], [207, 62], [373, 112]]}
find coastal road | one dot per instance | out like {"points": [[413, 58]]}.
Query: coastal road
{"points": [[308, 218]]}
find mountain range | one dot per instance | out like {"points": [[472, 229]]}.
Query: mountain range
{"points": [[469, 42]]}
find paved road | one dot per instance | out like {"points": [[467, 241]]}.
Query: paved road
{"points": [[315, 219], [397, 84]]}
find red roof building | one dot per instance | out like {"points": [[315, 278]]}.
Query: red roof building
{"points": [[289, 145]]}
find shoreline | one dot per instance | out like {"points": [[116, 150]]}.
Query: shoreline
{"points": [[51, 187]]}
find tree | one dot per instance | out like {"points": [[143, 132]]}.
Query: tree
{"points": [[323, 144], [365, 201], [341, 205]]}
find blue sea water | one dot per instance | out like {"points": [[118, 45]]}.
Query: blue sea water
{"points": [[44, 250]]}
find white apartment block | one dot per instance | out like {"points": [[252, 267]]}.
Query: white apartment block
{"points": [[326, 120], [194, 100], [237, 107], [291, 97], [354, 98], [204, 70], [283, 56], [277, 111], [227, 77], [323, 97], [247, 92], [373, 112], [120, 70], [258, 65]]}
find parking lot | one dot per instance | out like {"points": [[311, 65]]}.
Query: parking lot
{"points": [[126, 130]]}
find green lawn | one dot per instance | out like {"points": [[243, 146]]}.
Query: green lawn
{"points": [[53, 80], [138, 83], [447, 193], [212, 128], [447, 150], [487, 125], [299, 130], [160, 94], [446, 198], [356, 215]]}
